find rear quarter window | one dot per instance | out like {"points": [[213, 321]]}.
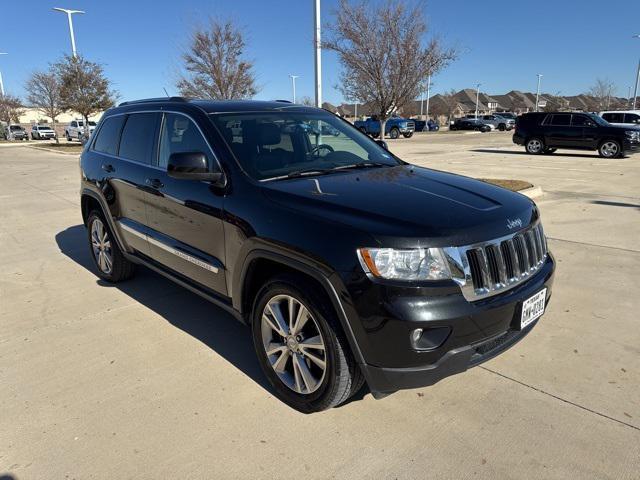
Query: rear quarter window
{"points": [[138, 137], [109, 135]]}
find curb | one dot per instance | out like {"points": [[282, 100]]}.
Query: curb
{"points": [[532, 192], [52, 150]]}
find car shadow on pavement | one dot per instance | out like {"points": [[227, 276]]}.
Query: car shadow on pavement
{"points": [[616, 204], [185, 310], [522, 152]]}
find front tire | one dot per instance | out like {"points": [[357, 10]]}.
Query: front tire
{"points": [[109, 260], [610, 149], [301, 347], [407, 135], [535, 146], [394, 133], [502, 127]]}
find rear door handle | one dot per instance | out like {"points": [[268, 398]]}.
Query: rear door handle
{"points": [[154, 183], [108, 168]]}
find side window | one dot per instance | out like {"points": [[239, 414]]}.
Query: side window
{"points": [[631, 118], [580, 120], [613, 117], [107, 139], [139, 137], [73, 124], [179, 134], [560, 120]]}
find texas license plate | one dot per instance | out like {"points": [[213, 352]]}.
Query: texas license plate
{"points": [[533, 307]]}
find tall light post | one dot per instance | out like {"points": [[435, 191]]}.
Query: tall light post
{"points": [[293, 85], [477, 98], [318, 53], [538, 92], [428, 93], [635, 90], [2, 84], [70, 20]]}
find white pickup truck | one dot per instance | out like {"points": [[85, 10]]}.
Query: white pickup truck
{"points": [[75, 129]]}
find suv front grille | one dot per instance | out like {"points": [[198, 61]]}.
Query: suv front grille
{"points": [[492, 267]]}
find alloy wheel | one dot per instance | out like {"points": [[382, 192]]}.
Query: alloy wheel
{"points": [[609, 149], [101, 245], [293, 344], [534, 146]]}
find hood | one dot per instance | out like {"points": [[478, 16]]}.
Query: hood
{"points": [[408, 205]]}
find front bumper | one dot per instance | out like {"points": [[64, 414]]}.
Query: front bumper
{"points": [[478, 330], [631, 146]]}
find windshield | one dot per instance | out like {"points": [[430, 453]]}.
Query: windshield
{"points": [[14, 128], [92, 124], [278, 144]]}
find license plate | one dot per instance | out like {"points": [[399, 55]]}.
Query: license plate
{"points": [[533, 308]]}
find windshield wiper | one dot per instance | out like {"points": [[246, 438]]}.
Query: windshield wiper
{"points": [[362, 165], [309, 171]]}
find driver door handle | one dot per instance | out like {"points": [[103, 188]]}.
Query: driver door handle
{"points": [[154, 183], [107, 167]]}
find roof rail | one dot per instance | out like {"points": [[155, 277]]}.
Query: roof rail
{"points": [[284, 101], [154, 100]]}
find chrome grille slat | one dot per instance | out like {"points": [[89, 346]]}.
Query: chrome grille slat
{"points": [[496, 266]]}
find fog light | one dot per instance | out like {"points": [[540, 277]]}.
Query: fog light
{"points": [[415, 336], [429, 338]]}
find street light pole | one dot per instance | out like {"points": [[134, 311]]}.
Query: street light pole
{"points": [[70, 20], [428, 93], [635, 90], [2, 84], [477, 98], [538, 92], [293, 85], [318, 57]]}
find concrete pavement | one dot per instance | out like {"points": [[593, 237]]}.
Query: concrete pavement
{"points": [[146, 380]]}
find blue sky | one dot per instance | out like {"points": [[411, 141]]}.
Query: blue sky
{"points": [[503, 44]]}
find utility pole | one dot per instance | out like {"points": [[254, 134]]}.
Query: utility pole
{"points": [[428, 93], [355, 107], [538, 92], [70, 20], [318, 53], [477, 98], [2, 84], [293, 85]]}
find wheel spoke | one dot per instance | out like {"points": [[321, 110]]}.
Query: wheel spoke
{"points": [[101, 261], [313, 343], [280, 364], [107, 262], [307, 376], [301, 320], [291, 310], [297, 375], [318, 361], [275, 347], [278, 317]]}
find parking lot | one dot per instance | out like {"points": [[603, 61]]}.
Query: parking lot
{"points": [[147, 380]]}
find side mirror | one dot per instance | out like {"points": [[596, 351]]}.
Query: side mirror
{"points": [[383, 144], [191, 166]]}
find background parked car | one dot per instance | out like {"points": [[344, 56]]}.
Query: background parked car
{"points": [[75, 129], [420, 125], [394, 127], [470, 124], [432, 125], [42, 132], [544, 132], [15, 132], [504, 122], [625, 118]]}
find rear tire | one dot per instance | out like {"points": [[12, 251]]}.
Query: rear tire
{"points": [[298, 380], [502, 127], [107, 257], [535, 146], [610, 149]]}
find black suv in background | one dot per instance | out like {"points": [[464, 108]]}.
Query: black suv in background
{"points": [[545, 132], [349, 265]]}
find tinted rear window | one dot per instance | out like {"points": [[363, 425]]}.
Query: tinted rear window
{"points": [[560, 119], [107, 139], [139, 137]]}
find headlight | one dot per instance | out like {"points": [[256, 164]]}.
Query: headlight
{"points": [[633, 134], [409, 264]]}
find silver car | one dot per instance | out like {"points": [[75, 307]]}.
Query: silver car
{"points": [[42, 132]]}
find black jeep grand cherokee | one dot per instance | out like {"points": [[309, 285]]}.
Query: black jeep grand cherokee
{"points": [[349, 264]]}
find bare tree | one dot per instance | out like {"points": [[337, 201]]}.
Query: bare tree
{"points": [[601, 91], [384, 60], [447, 106], [43, 92], [11, 109], [83, 87], [215, 65], [307, 101]]}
